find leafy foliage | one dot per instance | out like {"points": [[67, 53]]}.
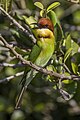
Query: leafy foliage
{"points": [[44, 10], [46, 96], [6, 4]]}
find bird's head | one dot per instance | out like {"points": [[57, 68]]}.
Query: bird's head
{"points": [[44, 29], [45, 23]]}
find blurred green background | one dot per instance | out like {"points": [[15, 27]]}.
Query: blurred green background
{"points": [[41, 101]]}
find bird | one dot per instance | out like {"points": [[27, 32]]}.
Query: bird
{"points": [[40, 54]]}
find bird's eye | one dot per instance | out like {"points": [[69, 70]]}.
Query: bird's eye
{"points": [[46, 26]]}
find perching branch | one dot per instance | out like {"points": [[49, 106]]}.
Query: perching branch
{"points": [[29, 63], [37, 68], [18, 25]]}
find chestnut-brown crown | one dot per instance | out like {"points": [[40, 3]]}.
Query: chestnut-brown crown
{"points": [[45, 23]]}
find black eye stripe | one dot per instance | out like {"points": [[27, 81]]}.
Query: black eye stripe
{"points": [[43, 26], [46, 36], [46, 25]]}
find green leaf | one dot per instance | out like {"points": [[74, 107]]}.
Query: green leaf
{"points": [[39, 5], [30, 21], [53, 17], [67, 54], [21, 51], [42, 12], [75, 61], [57, 26], [68, 42], [66, 81], [52, 6], [51, 68], [76, 58], [19, 17], [71, 88], [75, 47], [6, 4], [74, 67], [59, 35]]}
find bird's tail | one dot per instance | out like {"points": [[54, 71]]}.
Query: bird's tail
{"points": [[27, 78], [20, 96]]}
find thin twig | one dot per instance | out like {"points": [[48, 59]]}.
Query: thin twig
{"points": [[11, 65], [7, 79], [66, 68], [18, 25]]}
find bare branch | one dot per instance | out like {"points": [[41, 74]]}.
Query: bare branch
{"points": [[11, 65], [40, 69], [29, 63], [18, 25], [7, 79]]}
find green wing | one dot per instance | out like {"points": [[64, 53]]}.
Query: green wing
{"points": [[34, 53]]}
